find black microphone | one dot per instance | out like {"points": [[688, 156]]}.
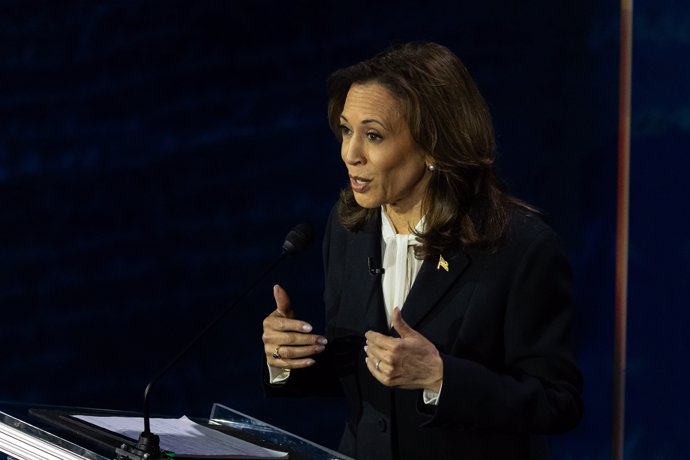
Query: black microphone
{"points": [[298, 239], [373, 271], [148, 445]]}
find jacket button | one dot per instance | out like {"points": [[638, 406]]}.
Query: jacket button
{"points": [[382, 425]]}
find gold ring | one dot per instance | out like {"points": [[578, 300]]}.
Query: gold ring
{"points": [[276, 353]]}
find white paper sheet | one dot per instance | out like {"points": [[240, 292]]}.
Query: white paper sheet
{"points": [[183, 436]]}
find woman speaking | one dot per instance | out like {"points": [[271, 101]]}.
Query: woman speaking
{"points": [[449, 313]]}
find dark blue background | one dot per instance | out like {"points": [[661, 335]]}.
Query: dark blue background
{"points": [[154, 154]]}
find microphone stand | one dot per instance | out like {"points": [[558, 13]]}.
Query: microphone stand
{"points": [[148, 445]]}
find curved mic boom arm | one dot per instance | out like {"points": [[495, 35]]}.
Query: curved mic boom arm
{"points": [[296, 241]]}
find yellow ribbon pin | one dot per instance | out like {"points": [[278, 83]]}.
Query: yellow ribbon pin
{"points": [[442, 263]]}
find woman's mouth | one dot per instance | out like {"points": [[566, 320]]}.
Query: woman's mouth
{"points": [[359, 184]]}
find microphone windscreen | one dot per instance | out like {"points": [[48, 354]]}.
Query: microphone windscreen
{"points": [[298, 239]]}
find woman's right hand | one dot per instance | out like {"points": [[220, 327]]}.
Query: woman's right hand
{"points": [[288, 342]]}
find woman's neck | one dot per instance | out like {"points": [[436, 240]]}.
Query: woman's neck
{"points": [[404, 221]]}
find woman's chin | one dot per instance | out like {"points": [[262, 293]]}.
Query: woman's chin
{"points": [[364, 202]]}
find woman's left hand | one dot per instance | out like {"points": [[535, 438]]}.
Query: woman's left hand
{"points": [[410, 362]]}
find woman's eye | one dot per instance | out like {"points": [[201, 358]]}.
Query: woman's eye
{"points": [[372, 136], [344, 130]]}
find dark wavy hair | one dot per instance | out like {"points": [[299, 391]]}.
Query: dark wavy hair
{"points": [[466, 203]]}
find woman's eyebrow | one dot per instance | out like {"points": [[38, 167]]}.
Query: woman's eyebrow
{"points": [[367, 121]]}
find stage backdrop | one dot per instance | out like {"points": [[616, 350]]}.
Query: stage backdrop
{"points": [[154, 154]]}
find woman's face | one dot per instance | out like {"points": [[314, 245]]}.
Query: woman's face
{"points": [[385, 165]]}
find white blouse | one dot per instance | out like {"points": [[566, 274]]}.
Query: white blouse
{"points": [[399, 263], [400, 270]]}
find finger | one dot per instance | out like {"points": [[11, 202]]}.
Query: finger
{"points": [[276, 322], [375, 361], [380, 341], [272, 338], [300, 364], [282, 301], [399, 324], [292, 363], [376, 369], [287, 357], [287, 353]]}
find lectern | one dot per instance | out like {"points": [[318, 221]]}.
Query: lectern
{"points": [[33, 432]]}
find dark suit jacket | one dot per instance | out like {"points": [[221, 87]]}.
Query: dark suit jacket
{"points": [[503, 323]]}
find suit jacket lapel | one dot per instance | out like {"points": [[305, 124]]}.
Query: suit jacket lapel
{"points": [[431, 284], [366, 296]]}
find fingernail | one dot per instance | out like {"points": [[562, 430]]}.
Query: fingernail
{"points": [[365, 349], [319, 348], [310, 362], [322, 340], [306, 327]]}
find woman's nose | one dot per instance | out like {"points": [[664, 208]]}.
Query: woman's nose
{"points": [[352, 151]]}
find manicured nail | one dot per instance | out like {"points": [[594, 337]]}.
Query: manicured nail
{"points": [[310, 362], [322, 340], [306, 327], [366, 348], [319, 348]]}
